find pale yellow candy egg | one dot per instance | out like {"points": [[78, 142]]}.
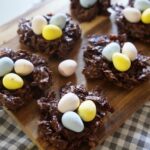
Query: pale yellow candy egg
{"points": [[130, 50], [37, 24], [12, 81], [87, 110], [121, 62], [131, 14], [146, 16], [23, 67], [51, 32]]}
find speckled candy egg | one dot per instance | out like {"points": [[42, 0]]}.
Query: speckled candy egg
{"points": [[12, 81], [133, 15], [110, 49], [142, 4], [72, 121], [121, 62], [130, 50], [59, 20], [87, 3], [37, 24], [67, 67], [87, 110], [6, 65], [23, 67], [146, 16], [51, 32], [69, 102]]}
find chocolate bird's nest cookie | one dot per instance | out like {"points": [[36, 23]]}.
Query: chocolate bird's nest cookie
{"points": [[59, 48], [34, 83], [139, 31], [52, 130], [96, 66], [87, 14]]}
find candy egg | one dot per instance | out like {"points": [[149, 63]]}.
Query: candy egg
{"points": [[51, 32], [133, 15], [146, 16], [6, 65], [130, 50], [87, 110], [110, 49], [12, 81], [142, 4], [37, 24], [67, 67], [59, 20], [69, 102], [72, 121], [87, 3], [23, 67], [121, 62]]}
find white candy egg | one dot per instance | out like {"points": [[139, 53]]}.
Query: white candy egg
{"points": [[130, 50], [37, 24], [110, 49], [133, 15], [69, 102], [87, 3], [23, 67], [142, 4], [72, 121], [67, 67]]}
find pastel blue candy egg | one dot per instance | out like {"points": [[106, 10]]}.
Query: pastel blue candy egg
{"points": [[59, 20], [110, 49], [72, 121], [6, 65], [142, 4], [87, 3]]}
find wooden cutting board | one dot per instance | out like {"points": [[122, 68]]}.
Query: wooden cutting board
{"points": [[124, 102]]}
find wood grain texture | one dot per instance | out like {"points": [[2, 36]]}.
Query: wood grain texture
{"points": [[125, 102]]}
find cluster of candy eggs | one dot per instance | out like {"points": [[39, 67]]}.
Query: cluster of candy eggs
{"points": [[139, 12], [85, 111], [121, 58], [49, 30], [21, 67]]}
